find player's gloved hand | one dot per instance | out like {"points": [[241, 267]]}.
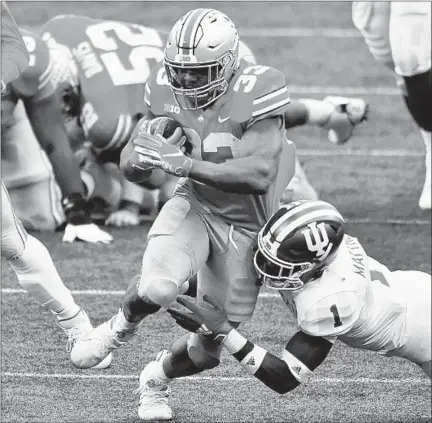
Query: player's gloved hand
{"points": [[79, 225], [128, 214], [209, 319], [167, 154]]}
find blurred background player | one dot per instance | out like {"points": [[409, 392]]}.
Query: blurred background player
{"points": [[398, 34], [101, 68], [27, 256], [38, 167], [14, 55], [334, 290], [100, 60]]}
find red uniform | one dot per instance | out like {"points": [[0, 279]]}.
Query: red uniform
{"points": [[204, 229], [33, 85], [255, 93], [113, 61]]}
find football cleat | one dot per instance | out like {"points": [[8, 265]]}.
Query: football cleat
{"points": [[77, 328], [97, 345], [299, 188], [153, 392], [348, 113], [425, 197]]}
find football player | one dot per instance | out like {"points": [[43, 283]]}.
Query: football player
{"points": [[100, 60], [27, 256], [101, 68], [234, 166], [14, 55], [398, 34], [31, 119], [335, 291]]}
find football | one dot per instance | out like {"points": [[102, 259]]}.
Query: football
{"points": [[166, 127]]}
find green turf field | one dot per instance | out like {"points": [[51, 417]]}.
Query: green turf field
{"points": [[375, 180]]}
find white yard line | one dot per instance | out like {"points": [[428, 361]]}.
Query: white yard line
{"points": [[343, 90], [325, 380], [360, 152]]}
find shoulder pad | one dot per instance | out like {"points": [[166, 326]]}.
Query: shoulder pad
{"points": [[158, 96], [258, 92], [332, 315], [37, 76]]}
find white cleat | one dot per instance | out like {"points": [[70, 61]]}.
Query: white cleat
{"points": [[347, 114], [97, 345], [153, 392], [299, 188], [425, 197], [76, 329]]}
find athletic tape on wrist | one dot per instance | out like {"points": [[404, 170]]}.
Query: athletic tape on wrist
{"points": [[234, 342], [252, 362], [298, 369]]}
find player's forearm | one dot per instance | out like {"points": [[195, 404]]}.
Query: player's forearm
{"points": [[269, 369], [51, 134], [14, 54], [251, 175]]}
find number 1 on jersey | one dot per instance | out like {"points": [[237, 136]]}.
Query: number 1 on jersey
{"points": [[335, 312]]}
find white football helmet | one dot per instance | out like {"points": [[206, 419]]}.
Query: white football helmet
{"points": [[203, 43]]}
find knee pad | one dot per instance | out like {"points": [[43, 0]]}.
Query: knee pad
{"points": [[161, 292], [203, 352], [13, 243], [134, 305], [418, 98], [166, 266]]}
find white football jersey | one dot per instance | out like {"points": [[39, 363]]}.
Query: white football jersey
{"points": [[357, 300]]}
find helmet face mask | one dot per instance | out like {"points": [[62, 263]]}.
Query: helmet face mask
{"points": [[200, 66], [280, 276], [297, 243]]}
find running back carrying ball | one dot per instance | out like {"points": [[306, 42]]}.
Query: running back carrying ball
{"points": [[164, 126]]}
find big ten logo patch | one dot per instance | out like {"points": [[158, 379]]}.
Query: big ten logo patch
{"points": [[217, 147]]}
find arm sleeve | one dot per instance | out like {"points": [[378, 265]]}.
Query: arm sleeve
{"points": [[14, 55]]}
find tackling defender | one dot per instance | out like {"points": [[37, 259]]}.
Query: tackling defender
{"points": [[31, 120], [335, 291], [236, 165], [99, 60], [398, 34], [27, 256]]}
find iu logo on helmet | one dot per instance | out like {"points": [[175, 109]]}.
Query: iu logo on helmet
{"points": [[317, 240]]}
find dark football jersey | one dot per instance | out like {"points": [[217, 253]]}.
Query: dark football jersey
{"points": [[254, 93], [114, 60]]}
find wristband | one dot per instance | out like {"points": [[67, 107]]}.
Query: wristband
{"points": [[234, 341], [298, 369]]}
